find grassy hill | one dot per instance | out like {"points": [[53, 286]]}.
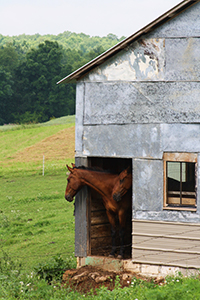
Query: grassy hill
{"points": [[36, 222]]}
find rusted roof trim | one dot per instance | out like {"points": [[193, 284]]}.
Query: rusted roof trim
{"points": [[170, 14]]}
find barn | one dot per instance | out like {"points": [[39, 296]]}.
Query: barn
{"points": [[138, 105]]}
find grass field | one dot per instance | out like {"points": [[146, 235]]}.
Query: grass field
{"points": [[36, 222]]}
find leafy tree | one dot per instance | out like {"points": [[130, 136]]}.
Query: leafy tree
{"points": [[37, 95], [31, 65], [5, 95], [79, 42], [8, 58]]}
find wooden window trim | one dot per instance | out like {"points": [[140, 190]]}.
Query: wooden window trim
{"points": [[176, 157]]}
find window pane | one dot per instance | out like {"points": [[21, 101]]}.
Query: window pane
{"points": [[181, 184], [173, 170]]}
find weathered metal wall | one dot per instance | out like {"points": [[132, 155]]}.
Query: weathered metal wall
{"points": [[143, 102]]}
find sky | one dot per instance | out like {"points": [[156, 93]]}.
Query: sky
{"points": [[92, 17]]}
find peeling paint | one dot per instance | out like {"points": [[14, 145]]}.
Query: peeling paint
{"points": [[143, 60]]}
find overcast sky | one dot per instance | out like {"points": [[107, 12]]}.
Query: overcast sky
{"points": [[92, 17]]}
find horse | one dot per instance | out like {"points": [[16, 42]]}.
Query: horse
{"points": [[122, 185], [103, 182]]}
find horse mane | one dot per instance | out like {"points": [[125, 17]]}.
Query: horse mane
{"points": [[96, 169], [99, 169]]}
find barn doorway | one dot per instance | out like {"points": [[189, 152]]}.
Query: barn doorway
{"points": [[99, 226]]}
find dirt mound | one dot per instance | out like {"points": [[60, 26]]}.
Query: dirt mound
{"points": [[89, 278]]}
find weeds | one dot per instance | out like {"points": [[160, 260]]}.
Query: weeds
{"points": [[53, 269]]}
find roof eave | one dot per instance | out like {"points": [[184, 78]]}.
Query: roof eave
{"points": [[73, 77]]}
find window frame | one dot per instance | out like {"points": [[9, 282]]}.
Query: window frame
{"points": [[177, 157]]}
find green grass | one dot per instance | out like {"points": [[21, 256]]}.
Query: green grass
{"points": [[37, 227], [16, 139], [36, 222], [19, 137]]}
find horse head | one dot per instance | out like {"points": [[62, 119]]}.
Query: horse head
{"points": [[74, 183], [123, 184]]}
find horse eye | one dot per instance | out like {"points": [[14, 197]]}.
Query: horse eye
{"points": [[121, 180]]}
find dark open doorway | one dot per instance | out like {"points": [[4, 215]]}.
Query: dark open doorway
{"points": [[99, 226]]}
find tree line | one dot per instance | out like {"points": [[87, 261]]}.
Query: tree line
{"points": [[29, 72]]}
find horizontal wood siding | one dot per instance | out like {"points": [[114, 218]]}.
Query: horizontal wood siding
{"points": [[166, 243]]}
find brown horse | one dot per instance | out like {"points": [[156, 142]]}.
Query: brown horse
{"points": [[122, 185], [103, 183]]}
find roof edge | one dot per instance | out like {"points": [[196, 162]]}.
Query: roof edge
{"points": [[170, 14]]}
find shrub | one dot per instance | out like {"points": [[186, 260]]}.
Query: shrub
{"points": [[54, 268]]}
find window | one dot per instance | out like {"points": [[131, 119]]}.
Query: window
{"points": [[180, 181]]}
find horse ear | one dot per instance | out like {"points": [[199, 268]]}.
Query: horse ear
{"points": [[73, 166], [70, 169]]}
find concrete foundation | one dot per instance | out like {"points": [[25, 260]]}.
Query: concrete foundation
{"points": [[147, 270]]}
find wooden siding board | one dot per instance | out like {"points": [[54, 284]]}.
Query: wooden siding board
{"points": [[97, 204], [167, 243], [166, 228], [163, 258], [81, 226], [186, 157], [99, 217]]}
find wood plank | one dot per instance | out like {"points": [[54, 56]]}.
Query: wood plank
{"points": [[99, 217], [185, 201], [167, 228], [152, 235], [180, 208], [185, 157], [97, 204], [100, 230], [81, 216], [161, 258], [192, 194], [169, 243]]}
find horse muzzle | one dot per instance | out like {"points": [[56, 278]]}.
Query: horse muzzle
{"points": [[117, 197], [68, 197]]}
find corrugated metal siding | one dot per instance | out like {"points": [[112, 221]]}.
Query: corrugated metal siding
{"points": [[166, 243]]}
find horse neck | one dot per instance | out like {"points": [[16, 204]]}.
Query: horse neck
{"points": [[101, 182]]}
